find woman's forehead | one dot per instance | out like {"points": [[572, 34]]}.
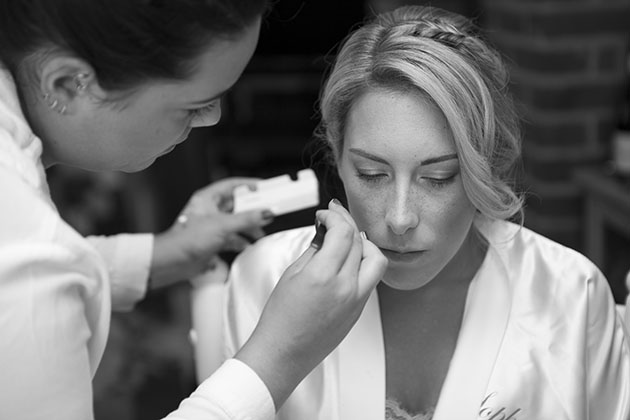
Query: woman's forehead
{"points": [[390, 121]]}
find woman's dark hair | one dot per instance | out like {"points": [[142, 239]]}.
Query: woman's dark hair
{"points": [[127, 42]]}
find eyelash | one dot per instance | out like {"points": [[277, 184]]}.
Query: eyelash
{"points": [[440, 182], [370, 177], [200, 111], [434, 182]]}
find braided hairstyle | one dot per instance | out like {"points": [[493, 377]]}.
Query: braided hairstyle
{"points": [[442, 56]]}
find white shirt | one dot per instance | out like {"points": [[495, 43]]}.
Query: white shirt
{"points": [[57, 290]]}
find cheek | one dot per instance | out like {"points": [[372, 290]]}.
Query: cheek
{"points": [[457, 216], [155, 128], [365, 205], [168, 127]]}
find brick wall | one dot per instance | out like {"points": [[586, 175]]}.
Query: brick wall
{"points": [[464, 7], [567, 65]]}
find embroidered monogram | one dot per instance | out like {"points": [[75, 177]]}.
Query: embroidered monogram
{"points": [[488, 411]]}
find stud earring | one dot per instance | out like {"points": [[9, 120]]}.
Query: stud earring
{"points": [[81, 81]]}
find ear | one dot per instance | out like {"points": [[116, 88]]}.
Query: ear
{"points": [[65, 81]]}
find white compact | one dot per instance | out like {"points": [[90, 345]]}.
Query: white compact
{"points": [[281, 194]]}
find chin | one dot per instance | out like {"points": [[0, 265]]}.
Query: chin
{"points": [[137, 167], [405, 279]]}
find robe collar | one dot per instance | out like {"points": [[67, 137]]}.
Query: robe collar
{"points": [[488, 303]]}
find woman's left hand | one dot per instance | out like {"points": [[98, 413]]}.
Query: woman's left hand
{"points": [[205, 227]]}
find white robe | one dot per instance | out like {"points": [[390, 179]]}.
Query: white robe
{"points": [[56, 293], [540, 337]]}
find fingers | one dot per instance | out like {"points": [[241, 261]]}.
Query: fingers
{"points": [[236, 243], [351, 266], [255, 233], [372, 269], [341, 244], [249, 222], [346, 251], [335, 205], [322, 223], [218, 195], [302, 261]]}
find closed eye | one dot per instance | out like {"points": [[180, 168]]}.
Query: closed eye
{"points": [[440, 182], [371, 177], [203, 110]]}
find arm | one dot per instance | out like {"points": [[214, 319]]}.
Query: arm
{"points": [[182, 251], [128, 259], [233, 392], [45, 353], [205, 227], [54, 310], [312, 308]]}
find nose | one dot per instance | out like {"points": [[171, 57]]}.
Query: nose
{"points": [[402, 213]]}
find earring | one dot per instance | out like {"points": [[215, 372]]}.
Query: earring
{"points": [[54, 104], [81, 81]]}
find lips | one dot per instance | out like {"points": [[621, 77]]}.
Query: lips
{"points": [[402, 256]]}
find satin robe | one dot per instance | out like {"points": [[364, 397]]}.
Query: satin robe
{"points": [[540, 337]]}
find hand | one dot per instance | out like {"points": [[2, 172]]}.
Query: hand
{"points": [[314, 305], [205, 227]]}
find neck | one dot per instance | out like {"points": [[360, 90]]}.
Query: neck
{"points": [[40, 119], [466, 262]]}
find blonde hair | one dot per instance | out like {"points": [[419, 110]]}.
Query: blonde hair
{"points": [[440, 55]]}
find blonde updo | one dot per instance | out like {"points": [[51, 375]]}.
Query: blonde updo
{"points": [[440, 55]]}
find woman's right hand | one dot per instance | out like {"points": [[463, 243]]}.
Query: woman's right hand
{"points": [[314, 305]]}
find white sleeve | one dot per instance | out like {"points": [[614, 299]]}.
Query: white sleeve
{"points": [[54, 311], [128, 259], [233, 392], [45, 345], [608, 356]]}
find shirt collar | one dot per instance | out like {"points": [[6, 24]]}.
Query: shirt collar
{"points": [[20, 148]]}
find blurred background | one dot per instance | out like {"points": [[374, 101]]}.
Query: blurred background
{"points": [[570, 69]]}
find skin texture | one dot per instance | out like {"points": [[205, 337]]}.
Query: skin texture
{"points": [[108, 131], [405, 202]]}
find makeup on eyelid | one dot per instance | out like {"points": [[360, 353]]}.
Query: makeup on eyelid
{"points": [[443, 174], [424, 162]]}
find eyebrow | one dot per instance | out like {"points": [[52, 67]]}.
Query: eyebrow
{"points": [[427, 161]]}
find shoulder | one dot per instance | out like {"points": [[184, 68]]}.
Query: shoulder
{"points": [[23, 206], [33, 234], [285, 245], [527, 255], [551, 285], [265, 260]]}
